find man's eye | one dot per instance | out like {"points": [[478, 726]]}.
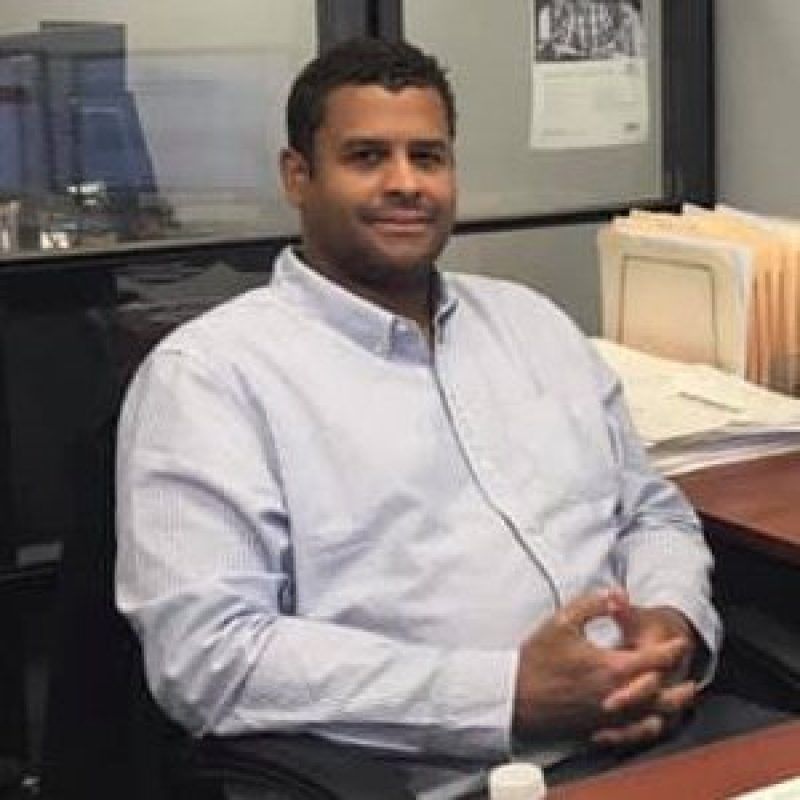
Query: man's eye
{"points": [[429, 159], [366, 158]]}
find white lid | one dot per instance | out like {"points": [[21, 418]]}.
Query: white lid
{"points": [[516, 781]]}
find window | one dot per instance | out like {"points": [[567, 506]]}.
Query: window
{"points": [[131, 122]]}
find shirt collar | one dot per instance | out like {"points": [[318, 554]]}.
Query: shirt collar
{"points": [[363, 322]]}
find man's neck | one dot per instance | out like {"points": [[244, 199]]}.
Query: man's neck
{"points": [[414, 303], [413, 300]]}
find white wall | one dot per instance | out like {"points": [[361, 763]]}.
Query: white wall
{"points": [[758, 110], [560, 262]]}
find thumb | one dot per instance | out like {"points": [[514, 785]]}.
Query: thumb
{"points": [[587, 607], [626, 616]]}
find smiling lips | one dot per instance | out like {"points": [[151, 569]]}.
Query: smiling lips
{"points": [[401, 220]]}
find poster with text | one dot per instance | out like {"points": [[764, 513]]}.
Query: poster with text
{"points": [[589, 78]]}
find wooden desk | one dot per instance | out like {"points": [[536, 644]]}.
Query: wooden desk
{"points": [[751, 516], [721, 770], [755, 504]]}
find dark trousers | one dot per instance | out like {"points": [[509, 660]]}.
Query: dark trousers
{"points": [[717, 716]]}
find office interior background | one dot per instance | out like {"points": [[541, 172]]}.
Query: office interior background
{"points": [[138, 147], [189, 72]]}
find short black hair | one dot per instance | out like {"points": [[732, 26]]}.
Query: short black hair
{"points": [[360, 62]]}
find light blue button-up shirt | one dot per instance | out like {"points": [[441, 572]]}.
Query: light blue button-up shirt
{"points": [[327, 525]]}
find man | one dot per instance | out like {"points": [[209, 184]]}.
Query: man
{"points": [[392, 507]]}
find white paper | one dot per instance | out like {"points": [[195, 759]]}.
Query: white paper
{"points": [[784, 790], [692, 415], [589, 81]]}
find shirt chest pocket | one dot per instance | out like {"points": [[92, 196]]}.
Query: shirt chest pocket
{"points": [[564, 453]]}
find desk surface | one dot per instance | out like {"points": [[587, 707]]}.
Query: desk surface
{"points": [[721, 770], [752, 503]]}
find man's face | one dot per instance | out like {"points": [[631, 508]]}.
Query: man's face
{"points": [[377, 204]]}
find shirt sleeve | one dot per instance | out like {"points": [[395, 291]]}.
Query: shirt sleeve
{"points": [[661, 552], [204, 575]]}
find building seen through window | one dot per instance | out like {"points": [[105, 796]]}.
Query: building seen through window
{"points": [[162, 126]]}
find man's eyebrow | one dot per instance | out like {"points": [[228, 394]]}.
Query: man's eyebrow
{"points": [[430, 144], [355, 142], [379, 141]]}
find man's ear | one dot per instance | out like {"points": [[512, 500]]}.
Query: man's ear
{"points": [[295, 173]]}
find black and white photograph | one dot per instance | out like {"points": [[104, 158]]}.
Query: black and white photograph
{"points": [[589, 30]]}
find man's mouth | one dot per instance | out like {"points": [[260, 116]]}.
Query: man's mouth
{"points": [[401, 220]]}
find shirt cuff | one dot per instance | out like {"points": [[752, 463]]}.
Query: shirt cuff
{"points": [[705, 621], [477, 691]]}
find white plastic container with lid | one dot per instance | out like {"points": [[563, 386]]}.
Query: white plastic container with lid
{"points": [[517, 781]]}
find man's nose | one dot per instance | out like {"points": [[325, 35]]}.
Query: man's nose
{"points": [[401, 176]]}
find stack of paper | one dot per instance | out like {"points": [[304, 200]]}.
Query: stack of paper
{"points": [[692, 415], [737, 291]]}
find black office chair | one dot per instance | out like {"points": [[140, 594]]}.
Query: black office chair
{"points": [[13, 728], [104, 735]]}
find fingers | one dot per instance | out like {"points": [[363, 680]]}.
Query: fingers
{"points": [[618, 600], [648, 691], [640, 691], [567, 683], [662, 657], [619, 604], [646, 695], [675, 700], [641, 731], [590, 606], [662, 715]]}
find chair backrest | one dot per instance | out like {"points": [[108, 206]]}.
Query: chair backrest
{"points": [[103, 733]]}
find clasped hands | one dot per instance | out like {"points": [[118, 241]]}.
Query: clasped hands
{"points": [[618, 697]]}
